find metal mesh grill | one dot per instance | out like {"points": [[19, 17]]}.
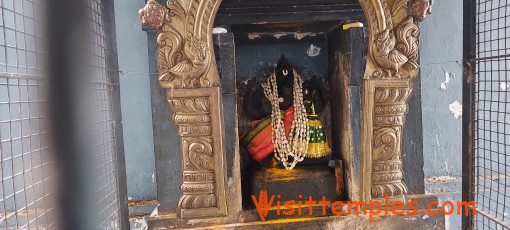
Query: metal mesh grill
{"points": [[492, 121], [26, 167], [103, 123]]}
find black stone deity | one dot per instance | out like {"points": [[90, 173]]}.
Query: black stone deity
{"points": [[258, 108]]}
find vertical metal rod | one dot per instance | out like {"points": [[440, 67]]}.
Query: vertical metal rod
{"points": [[22, 191], [468, 98], [66, 34], [10, 102], [112, 70]]}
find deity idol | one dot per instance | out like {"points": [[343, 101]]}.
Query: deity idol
{"points": [[285, 113]]}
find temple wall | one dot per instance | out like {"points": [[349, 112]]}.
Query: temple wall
{"points": [[441, 79], [135, 101]]}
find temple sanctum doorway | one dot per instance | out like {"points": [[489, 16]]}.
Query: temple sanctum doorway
{"points": [[295, 100]]}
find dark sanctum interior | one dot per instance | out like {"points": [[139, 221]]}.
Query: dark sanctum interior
{"points": [[277, 37], [311, 36]]}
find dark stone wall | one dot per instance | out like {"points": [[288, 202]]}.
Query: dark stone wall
{"points": [[167, 146], [256, 57], [257, 54], [412, 145]]}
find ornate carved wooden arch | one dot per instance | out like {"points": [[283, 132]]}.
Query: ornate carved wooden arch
{"points": [[188, 71]]}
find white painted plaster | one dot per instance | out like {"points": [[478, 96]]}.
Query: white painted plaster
{"points": [[219, 30], [300, 36], [253, 36], [313, 51], [442, 179], [448, 78], [456, 109], [279, 35], [138, 224]]}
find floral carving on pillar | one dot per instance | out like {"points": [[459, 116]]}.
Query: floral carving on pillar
{"points": [[389, 116]]}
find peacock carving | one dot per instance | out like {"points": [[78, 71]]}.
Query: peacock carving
{"points": [[386, 55], [183, 62], [183, 55]]}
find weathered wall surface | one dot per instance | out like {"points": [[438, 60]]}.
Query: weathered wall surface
{"points": [[441, 79], [135, 101]]}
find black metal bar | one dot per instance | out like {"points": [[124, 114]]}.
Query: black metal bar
{"points": [[65, 39], [468, 98], [493, 57], [113, 67]]}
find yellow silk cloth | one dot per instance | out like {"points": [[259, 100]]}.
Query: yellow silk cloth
{"points": [[318, 146]]}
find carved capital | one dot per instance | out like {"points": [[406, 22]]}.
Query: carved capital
{"points": [[184, 42], [393, 40]]}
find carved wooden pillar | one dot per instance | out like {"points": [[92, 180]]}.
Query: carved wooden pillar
{"points": [[186, 68], [392, 64], [385, 104], [200, 124]]}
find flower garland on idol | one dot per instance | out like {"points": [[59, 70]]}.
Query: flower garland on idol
{"points": [[296, 145]]}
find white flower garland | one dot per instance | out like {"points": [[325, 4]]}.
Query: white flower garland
{"points": [[296, 146]]}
